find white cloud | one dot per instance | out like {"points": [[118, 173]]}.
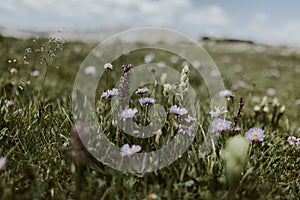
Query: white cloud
{"points": [[260, 17], [107, 14], [206, 16], [183, 15]]}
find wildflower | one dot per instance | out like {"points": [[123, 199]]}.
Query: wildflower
{"points": [[255, 99], [126, 68], [35, 73], [239, 84], [264, 101], [178, 111], [257, 108], [242, 84], [217, 112], [127, 151], [185, 129], [225, 93], [196, 64], [298, 102], [190, 119], [146, 101], [282, 109], [237, 128], [271, 91], [2, 164], [161, 64], [174, 59], [149, 58], [215, 73], [110, 93], [90, 70], [293, 140], [168, 89], [8, 103], [184, 81], [220, 125], [128, 113], [142, 90], [266, 109], [275, 102], [13, 71], [255, 134], [108, 66]]}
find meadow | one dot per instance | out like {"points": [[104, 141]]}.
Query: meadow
{"points": [[45, 160]]}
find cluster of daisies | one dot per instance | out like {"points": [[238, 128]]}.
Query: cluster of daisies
{"points": [[130, 113], [183, 128], [220, 124]]}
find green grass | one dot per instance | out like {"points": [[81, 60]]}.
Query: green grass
{"points": [[36, 132]]}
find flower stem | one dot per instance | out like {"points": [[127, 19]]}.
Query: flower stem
{"points": [[103, 112]]}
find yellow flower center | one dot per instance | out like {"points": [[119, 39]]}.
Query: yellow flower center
{"points": [[294, 139], [130, 151], [255, 136], [220, 126], [217, 112], [185, 127]]}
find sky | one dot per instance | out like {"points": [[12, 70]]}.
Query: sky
{"points": [[270, 21]]}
